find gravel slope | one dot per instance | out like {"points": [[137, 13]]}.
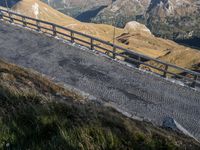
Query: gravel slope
{"points": [[131, 90]]}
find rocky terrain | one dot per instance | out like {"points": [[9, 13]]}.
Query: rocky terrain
{"points": [[76, 7], [173, 19], [122, 11]]}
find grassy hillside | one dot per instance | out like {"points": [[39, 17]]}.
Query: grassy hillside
{"points": [[35, 113], [136, 40]]}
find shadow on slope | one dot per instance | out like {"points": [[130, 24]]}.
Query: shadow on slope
{"points": [[88, 15], [193, 43]]}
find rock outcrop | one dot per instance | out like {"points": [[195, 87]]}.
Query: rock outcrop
{"points": [[134, 27], [174, 19], [122, 11]]}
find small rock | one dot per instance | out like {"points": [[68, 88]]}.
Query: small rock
{"points": [[170, 123]]}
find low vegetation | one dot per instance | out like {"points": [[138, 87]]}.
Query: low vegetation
{"points": [[38, 114]]}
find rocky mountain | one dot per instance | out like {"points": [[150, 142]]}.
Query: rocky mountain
{"points": [[172, 19], [75, 8], [175, 19], [131, 37], [122, 11]]}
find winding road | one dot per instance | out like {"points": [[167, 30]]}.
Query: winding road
{"points": [[136, 92]]}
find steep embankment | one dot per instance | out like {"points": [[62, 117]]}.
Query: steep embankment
{"points": [[137, 40], [35, 113]]}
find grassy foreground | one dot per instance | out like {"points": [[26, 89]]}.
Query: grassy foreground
{"points": [[38, 114]]}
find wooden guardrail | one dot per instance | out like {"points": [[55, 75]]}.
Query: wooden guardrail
{"points": [[190, 77]]}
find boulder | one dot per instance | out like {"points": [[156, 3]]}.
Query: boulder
{"points": [[170, 123], [134, 27]]}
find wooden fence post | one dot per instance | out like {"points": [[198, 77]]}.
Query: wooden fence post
{"points": [[138, 63], [139, 59], [114, 51], [38, 25], [10, 16], [165, 71], [1, 15], [54, 30], [91, 43], [194, 82], [24, 21], [72, 36]]}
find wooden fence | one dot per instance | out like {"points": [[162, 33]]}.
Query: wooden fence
{"points": [[191, 78]]}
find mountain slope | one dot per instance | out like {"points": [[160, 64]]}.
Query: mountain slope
{"points": [[140, 42], [122, 11], [36, 113], [39, 10], [76, 7], [173, 19]]}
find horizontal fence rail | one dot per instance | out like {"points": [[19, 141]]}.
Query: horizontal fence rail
{"points": [[164, 69]]}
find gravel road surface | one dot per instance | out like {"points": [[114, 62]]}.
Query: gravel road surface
{"points": [[138, 93]]}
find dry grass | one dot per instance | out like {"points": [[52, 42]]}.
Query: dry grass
{"points": [[27, 80], [146, 44]]}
